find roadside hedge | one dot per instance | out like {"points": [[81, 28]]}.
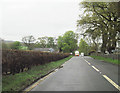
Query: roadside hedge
{"points": [[16, 61]]}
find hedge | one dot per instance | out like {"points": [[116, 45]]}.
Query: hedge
{"points": [[16, 61]]}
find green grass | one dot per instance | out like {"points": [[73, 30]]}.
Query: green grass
{"points": [[19, 81], [107, 59]]}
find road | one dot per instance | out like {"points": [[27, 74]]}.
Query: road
{"points": [[81, 74]]}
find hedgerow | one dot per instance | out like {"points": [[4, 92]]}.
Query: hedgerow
{"points": [[16, 61]]}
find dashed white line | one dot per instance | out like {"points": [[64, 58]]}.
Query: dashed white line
{"points": [[95, 68], [107, 78], [112, 82], [87, 62]]}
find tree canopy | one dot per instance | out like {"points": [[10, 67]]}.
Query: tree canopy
{"points": [[101, 21], [67, 42], [16, 45], [83, 47], [46, 42], [28, 41]]}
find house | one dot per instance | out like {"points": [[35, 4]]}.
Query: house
{"points": [[44, 49]]}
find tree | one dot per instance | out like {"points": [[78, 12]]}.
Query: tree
{"points": [[46, 42], [83, 47], [101, 20], [50, 42], [60, 43], [16, 45], [66, 48], [68, 43], [42, 42], [28, 41]]}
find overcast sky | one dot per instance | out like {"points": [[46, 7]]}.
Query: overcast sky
{"points": [[39, 18]]}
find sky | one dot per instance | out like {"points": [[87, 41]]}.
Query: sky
{"points": [[19, 18]]}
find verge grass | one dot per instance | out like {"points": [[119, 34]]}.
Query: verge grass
{"points": [[106, 59], [20, 81]]}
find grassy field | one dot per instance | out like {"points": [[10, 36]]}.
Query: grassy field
{"points": [[19, 81], [107, 59]]}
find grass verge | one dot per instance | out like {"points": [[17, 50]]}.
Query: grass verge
{"points": [[106, 59], [20, 81]]}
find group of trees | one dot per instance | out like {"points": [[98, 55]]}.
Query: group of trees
{"points": [[29, 42], [101, 22], [46, 42], [41, 42], [67, 43]]}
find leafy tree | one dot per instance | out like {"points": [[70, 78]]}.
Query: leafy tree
{"points": [[50, 42], [101, 20], [84, 47], [60, 43], [67, 43], [46, 42], [66, 48], [28, 41], [15, 45], [42, 42]]}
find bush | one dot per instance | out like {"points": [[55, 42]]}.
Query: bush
{"points": [[16, 61]]}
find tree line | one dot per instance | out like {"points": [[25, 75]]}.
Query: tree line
{"points": [[66, 43], [41, 42], [29, 43]]}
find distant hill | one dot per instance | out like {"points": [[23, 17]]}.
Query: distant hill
{"points": [[8, 41]]}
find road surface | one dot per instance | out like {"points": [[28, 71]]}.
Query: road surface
{"points": [[82, 74]]}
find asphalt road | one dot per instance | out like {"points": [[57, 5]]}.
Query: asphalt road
{"points": [[81, 74]]}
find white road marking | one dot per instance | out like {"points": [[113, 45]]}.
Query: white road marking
{"points": [[107, 78], [95, 68], [87, 62], [112, 82]]}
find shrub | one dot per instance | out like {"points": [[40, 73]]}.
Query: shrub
{"points": [[16, 61]]}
